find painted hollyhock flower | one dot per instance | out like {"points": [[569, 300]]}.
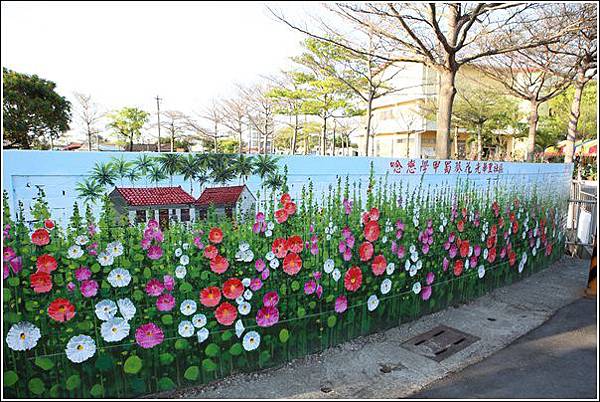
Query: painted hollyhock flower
{"points": [[119, 278], [199, 320], [271, 299], [458, 267], [149, 335], [89, 288], [233, 288], [185, 329], [310, 287], [40, 282], [61, 310], [115, 329], [416, 288], [83, 274], [292, 263], [251, 341], [295, 244], [46, 263], [80, 348], [105, 259], [281, 216], [165, 302], [188, 307], [219, 264], [426, 293], [215, 235], [126, 308], [353, 279], [154, 287], [372, 302], [8, 254], [105, 309], [23, 336], [279, 248], [347, 206], [74, 252], [371, 231], [40, 237], [155, 252], [267, 316], [341, 304], [379, 265], [226, 313], [385, 286], [365, 251]]}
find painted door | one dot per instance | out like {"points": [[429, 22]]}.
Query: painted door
{"points": [[163, 218]]}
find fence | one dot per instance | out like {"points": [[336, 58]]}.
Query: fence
{"points": [[582, 216]]}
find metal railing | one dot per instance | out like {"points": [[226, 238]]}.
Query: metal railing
{"points": [[582, 215]]}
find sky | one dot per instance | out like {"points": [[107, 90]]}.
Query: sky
{"points": [[126, 54]]}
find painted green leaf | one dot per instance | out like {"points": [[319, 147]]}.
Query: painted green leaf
{"points": [[312, 305], [97, 391], [95, 268], [44, 363], [295, 286], [264, 357], [138, 295], [185, 287], [166, 358], [192, 373], [212, 350], [329, 298], [331, 321], [166, 384], [138, 257], [284, 335], [85, 325], [104, 363], [167, 319], [13, 281], [73, 382], [36, 386], [204, 275], [132, 365], [147, 273], [126, 263], [181, 344], [226, 336], [12, 317], [54, 391], [209, 365], [138, 386], [235, 349], [283, 289], [7, 294], [10, 378], [301, 312]]}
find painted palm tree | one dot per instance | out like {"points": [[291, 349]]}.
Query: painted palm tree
{"points": [[90, 191], [104, 174], [244, 166], [202, 178], [133, 175], [189, 168], [121, 167], [204, 159], [156, 175], [265, 165], [222, 169], [274, 181], [143, 163], [170, 164]]}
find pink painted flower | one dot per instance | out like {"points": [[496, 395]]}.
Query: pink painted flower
{"points": [[16, 264], [152, 223], [317, 275], [319, 291], [265, 274], [255, 284], [146, 243], [310, 287], [198, 243], [8, 254], [346, 232], [165, 302], [260, 265], [453, 251], [445, 264], [83, 274], [347, 256], [5, 271], [426, 293], [267, 316], [149, 335], [71, 286], [430, 278], [155, 252], [260, 217], [271, 299], [154, 287], [342, 246], [169, 282], [347, 206], [89, 288], [341, 304]]}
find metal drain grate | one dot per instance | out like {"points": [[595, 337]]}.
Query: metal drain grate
{"points": [[440, 343]]}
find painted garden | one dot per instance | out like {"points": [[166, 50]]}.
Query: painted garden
{"points": [[102, 307]]}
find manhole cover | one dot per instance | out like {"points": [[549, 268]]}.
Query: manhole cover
{"points": [[439, 343]]}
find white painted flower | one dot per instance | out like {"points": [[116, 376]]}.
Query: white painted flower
{"points": [[115, 329], [416, 221], [239, 328], [481, 271], [115, 248], [328, 266], [533, 251], [119, 278], [416, 288], [414, 257], [81, 240], [413, 270], [419, 265], [126, 308], [521, 266], [246, 282], [270, 255], [441, 228], [470, 251], [239, 255], [268, 233], [407, 265], [412, 249], [23, 336], [188, 307], [180, 272], [386, 286], [248, 294], [384, 239], [199, 320], [239, 299], [483, 237], [243, 246], [336, 274], [178, 252], [274, 263], [248, 256], [251, 341], [202, 334], [244, 308], [485, 253], [75, 252], [105, 259], [524, 256], [80, 348], [537, 243], [328, 237], [185, 329], [270, 225], [185, 246], [184, 260], [524, 235], [391, 267], [372, 302], [106, 309]]}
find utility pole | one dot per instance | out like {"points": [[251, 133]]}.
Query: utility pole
{"points": [[158, 118]]}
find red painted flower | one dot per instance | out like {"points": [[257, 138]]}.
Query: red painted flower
{"points": [[374, 214], [46, 263], [210, 252], [295, 244], [515, 227], [378, 265], [41, 282], [281, 215], [549, 249], [512, 258], [464, 248], [458, 267], [371, 231], [491, 241], [494, 230], [61, 310], [233, 288], [285, 199], [292, 263], [353, 279], [210, 296], [289, 208], [491, 255], [215, 235], [219, 264], [49, 224], [226, 313], [365, 251], [279, 247], [40, 237], [460, 225]]}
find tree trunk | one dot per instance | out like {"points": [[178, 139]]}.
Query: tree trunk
{"points": [[333, 144], [324, 136], [446, 92], [216, 142], [172, 139], [131, 143], [369, 117], [533, 122], [295, 135], [574, 118], [89, 133], [479, 145], [456, 142]]}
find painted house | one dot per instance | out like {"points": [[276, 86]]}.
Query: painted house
{"points": [[165, 204], [227, 201]]}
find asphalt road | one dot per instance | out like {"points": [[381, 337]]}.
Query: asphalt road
{"points": [[556, 360]]}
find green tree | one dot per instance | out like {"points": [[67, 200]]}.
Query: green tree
{"points": [[265, 165], [156, 174], [170, 163], [104, 174], [127, 123], [222, 169], [32, 110], [189, 167], [244, 166], [121, 167], [76, 221], [89, 190]]}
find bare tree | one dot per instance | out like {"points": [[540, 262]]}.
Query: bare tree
{"points": [[444, 37], [88, 115], [235, 112], [261, 111], [214, 114], [175, 123]]}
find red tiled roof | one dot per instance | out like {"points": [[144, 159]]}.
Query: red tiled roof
{"points": [[220, 196], [155, 196]]}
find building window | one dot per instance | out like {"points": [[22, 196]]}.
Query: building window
{"points": [[140, 216], [185, 214]]}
